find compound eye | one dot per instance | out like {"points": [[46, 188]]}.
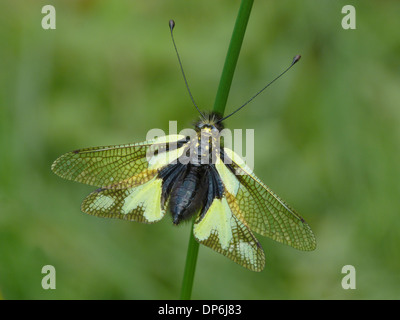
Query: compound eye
{"points": [[214, 130]]}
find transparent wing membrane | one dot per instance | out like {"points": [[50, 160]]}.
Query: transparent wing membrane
{"points": [[110, 165], [267, 214]]}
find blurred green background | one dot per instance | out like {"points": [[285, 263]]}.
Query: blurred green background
{"points": [[327, 139]]}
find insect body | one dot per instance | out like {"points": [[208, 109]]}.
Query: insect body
{"points": [[196, 183], [188, 176]]}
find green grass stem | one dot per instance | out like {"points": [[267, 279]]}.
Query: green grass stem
{"points": [[219, 106]]}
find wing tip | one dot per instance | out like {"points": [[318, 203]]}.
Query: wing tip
{"points": [[55, 166]]}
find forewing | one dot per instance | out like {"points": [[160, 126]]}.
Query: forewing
{"points": [[119, 166], [266, 213], [224, 232]]}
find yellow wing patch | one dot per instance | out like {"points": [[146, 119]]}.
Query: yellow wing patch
{"points": [[162, 159], [224, 232], [141, 203], [217, 221], [230, 181], [148, 197]]}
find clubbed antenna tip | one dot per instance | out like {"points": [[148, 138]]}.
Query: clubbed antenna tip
{"points": [[171, 24], [295, 59]]}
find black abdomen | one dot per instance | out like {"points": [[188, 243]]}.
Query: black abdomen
{"points": [[188, 193]]}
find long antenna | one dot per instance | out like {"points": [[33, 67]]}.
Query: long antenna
{"points": [[295, 59], [171, 26]]}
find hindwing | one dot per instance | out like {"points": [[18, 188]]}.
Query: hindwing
{"points": [[223, 228], [141, 203]]}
